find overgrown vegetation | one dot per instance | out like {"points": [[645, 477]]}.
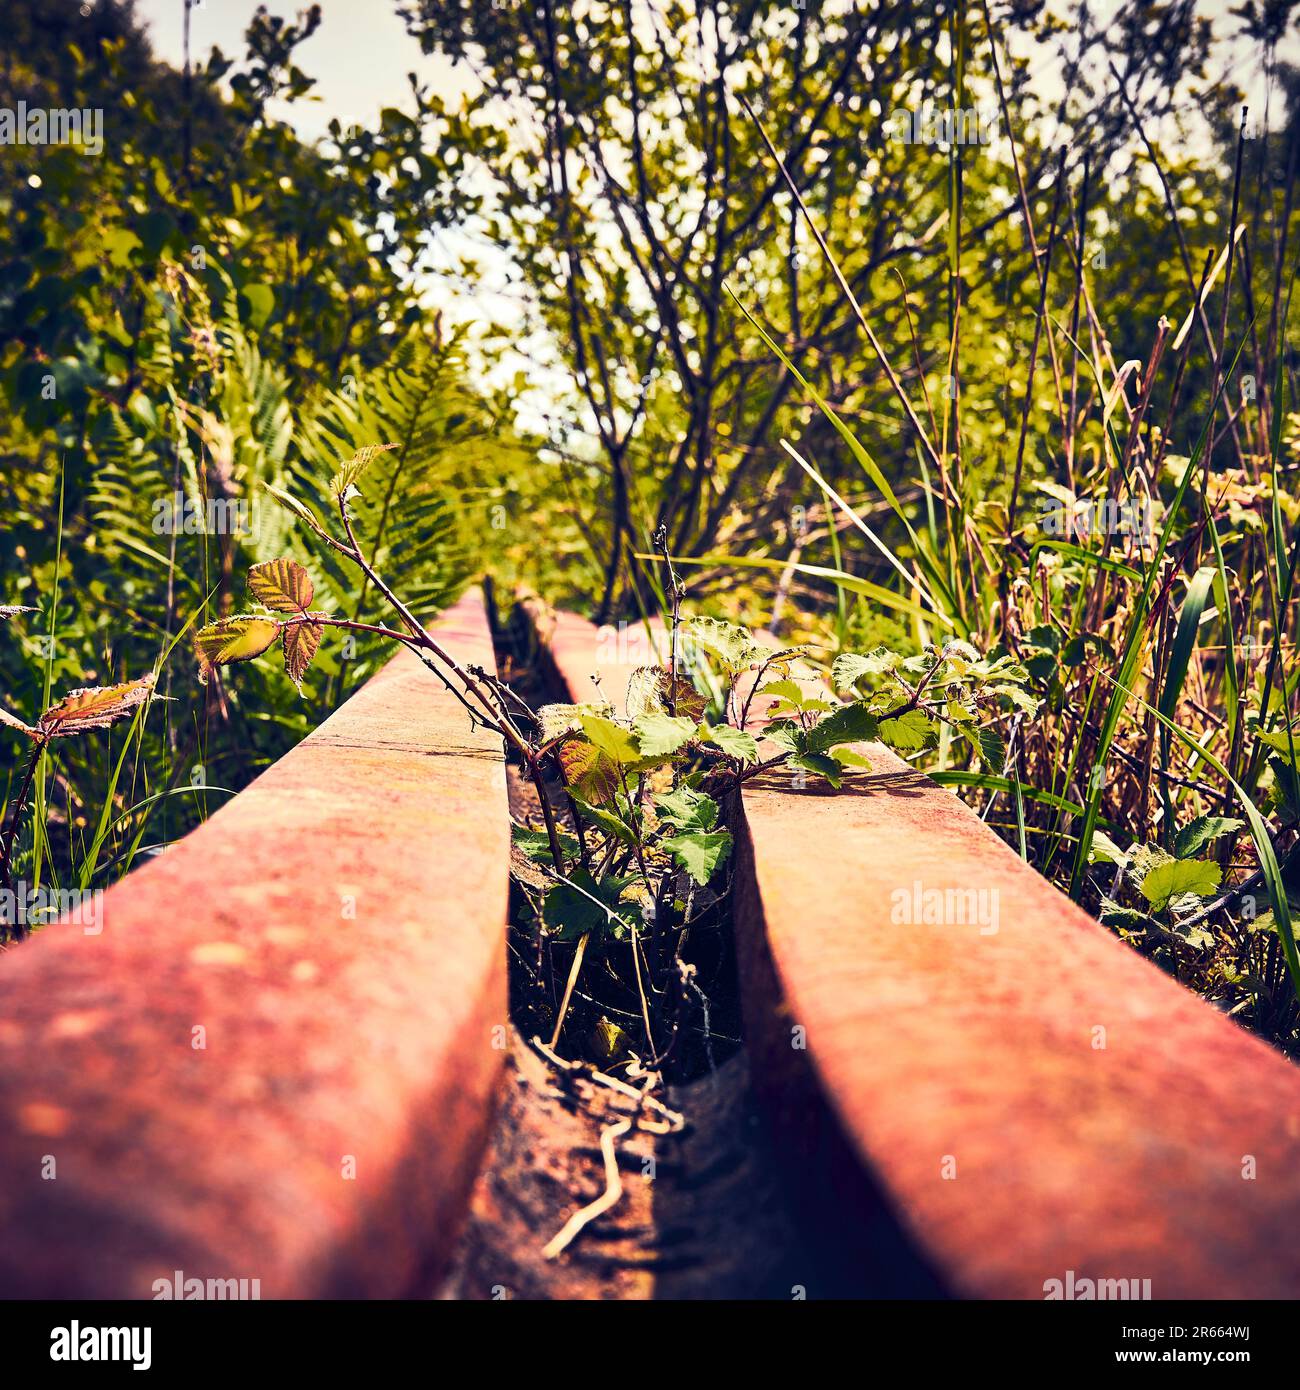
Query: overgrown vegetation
{"points": [[635, 859], [1030, 396]]}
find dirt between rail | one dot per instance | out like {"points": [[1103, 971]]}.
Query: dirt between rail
{"points": [[702, 1213]]}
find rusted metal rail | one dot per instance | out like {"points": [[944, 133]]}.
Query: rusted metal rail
{"points": [[948, 1042], [278, 1060]]}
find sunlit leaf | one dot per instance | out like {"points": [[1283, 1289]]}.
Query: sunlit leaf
{"points": [[735, 743], [283, 585], [350, 474], [686, 809], [301, 641], [95, 707], [661, 735], [699, 852], [1198, 833], [239, 638], [1179, 876]]}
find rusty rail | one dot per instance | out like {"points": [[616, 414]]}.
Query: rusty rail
{"points": [[1028, 1098], [278, 1060]]}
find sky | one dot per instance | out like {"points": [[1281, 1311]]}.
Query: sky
{"points": [[359, 56]]}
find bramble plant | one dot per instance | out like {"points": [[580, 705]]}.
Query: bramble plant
{"points": [[633, 852], [77, 712]]}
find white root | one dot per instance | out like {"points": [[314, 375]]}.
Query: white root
{"points": [[607, 1199]]}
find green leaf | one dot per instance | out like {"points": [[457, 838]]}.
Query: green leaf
{"points": [[349, 475], [239, 638], [848, 669], [290, 503], [735, 743], [1196, 834], [1165, 881], [908, 731], [661, 735], [609, 1041], [1126, 918], [558, 719], [685, 809], [699, 852], [651, 688], [610, 823], [785, 690], [570, 912], [785, 733], [1106, 851], [611, 739], [1279, 739], [734, 647], [846, 757], [848, 724], [261, 300], [536, 844], [993, 751], [819, 764]]}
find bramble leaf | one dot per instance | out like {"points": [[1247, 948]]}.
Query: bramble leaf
{"points": [[850, 667], [699, 852], [587, 770], [610, 738], [733, 647], [848, 724], [607, 821], [685, 809], [95, 707], [661, 735], [1178, 876], [239, 638], [1105, 851], [536, 844], [301, 641], [13, 722], [570, 912], [821, 764], [908, 731], [1198, 833], [650, 688], [290, 503], [993, 749], [349, 475], [735, 743], [283, 585], [559, 719]]}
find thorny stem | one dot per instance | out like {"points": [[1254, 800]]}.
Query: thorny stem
{"points": [[491, 710]]}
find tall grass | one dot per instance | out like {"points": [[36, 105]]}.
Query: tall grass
{"points": [[1163, 658]]}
